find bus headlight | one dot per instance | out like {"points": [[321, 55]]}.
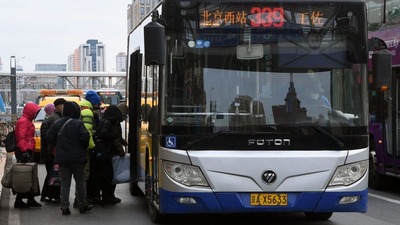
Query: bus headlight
{"points": [[185, 174], [349, 174]]}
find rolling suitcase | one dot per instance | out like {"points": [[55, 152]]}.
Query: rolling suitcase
{"points": [[25, 178]]}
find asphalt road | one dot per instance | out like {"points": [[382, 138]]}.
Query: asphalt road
{"points": [[383, 209]]}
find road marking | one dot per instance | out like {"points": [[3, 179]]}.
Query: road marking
{"points": [[384, 198], [13, 216]]}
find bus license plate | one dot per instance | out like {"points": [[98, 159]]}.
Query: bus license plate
{"points": [[268, 199]]}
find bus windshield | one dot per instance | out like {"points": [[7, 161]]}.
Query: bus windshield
{"points": [[245, 66]]}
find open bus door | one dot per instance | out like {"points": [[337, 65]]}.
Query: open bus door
{"points": [[134, 90]]}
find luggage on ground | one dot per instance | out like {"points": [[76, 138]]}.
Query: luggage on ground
{"points": [[25, 178]]}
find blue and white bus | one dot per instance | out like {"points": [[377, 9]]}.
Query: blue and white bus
{"points": [[254, 106]]}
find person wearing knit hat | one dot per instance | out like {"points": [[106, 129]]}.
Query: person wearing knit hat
{"points": [[93, 98], [58, 104], [59, 101], [49, 109], [50, 194]]}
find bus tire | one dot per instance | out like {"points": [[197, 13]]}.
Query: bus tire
{"points": [[375, 180], [154, 213], [135, 190], [318, 216]]}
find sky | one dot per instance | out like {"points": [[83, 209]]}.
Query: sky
{"points": [[48, 31]]}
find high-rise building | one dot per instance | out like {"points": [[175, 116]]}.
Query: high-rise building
{"points": [[92, 56], [73, 61], [121, 62], [1, 65], [71, 66], [138, 10]]}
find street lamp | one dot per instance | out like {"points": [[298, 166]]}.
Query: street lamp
{"points": [[13, 68]]}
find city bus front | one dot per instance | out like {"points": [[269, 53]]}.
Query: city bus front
{"points": [[263, 108]]}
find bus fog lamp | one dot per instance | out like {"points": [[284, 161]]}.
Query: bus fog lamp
{"points": [[349, 174], [187, 200], [185, 174], [349, 199]]}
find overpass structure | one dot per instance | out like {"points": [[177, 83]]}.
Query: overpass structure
{"points": [[28, 84]]}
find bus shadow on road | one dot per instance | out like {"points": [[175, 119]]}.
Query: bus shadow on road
{"points": [[243, 219]]}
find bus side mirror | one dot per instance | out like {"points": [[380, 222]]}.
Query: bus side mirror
{"points": [[154, 42], [382, 68]]}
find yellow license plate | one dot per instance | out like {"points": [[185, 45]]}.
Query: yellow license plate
{"points": [[268, 199]]}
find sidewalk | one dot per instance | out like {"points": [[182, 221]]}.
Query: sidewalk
{"points": [[3, 159]]}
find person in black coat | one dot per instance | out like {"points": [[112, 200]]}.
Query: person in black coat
{"points": [[71, 139], [110, 143]]}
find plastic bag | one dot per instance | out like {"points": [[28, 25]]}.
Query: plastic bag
{"points": [[55, 178], [6, 181], [121, 169]]}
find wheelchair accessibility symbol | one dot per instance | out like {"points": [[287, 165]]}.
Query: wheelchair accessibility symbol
{"points": [[170, 142]]}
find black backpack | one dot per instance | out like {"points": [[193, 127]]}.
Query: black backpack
{"points": [[11, 143]]}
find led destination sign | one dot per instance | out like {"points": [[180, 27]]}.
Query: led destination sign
{"points": [[258, 17]]}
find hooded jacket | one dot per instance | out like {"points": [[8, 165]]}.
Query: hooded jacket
{"points": [[71, 140], [87, 117], [109, 130], [24, 129], [124, 110]]}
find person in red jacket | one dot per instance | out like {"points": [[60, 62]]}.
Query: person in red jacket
{"points": [[25, 133]]}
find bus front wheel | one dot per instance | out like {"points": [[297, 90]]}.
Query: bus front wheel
{"points": [[375, 180], [318, 216]]}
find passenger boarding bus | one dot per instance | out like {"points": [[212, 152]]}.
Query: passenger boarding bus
{"points": [[257, 106], [384, 110]]}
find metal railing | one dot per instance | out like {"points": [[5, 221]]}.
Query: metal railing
{"points": [[28, 84]]}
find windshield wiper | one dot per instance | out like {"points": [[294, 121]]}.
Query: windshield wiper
{"points": [[190, 144], [208, 137], [326, 133]]}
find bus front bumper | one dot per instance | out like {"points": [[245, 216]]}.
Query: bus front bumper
{"points": [[230, 202]]}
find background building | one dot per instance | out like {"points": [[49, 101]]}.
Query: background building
{"points": [[138, 10], [121, 62], [51, 67], [73, 61], [92, 56]]}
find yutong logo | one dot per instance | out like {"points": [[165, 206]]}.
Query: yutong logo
{"points": [[269, 142]]}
